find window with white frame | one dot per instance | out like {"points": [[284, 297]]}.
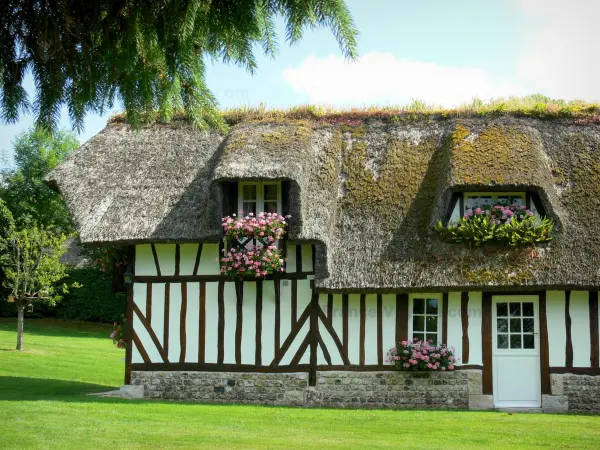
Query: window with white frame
{"points": [[259, 196], [471, 200], [425, 317]]}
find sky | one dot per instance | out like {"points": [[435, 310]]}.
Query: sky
{"points": [[438, 51]]}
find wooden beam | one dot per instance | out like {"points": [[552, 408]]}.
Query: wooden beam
{"points": [[149, 302], [568, 326], [298, 258], [166, 318], [156, 263], [129, 318], [345, 324], [221, 323], [324, 349], [379, 329], [182, 324], [294, 332], [464, 321], [445, 318], [486, 336], [402, 318], [177, 260], [202, 330], [140, 348], [330, 308], [329, 327], [313, 333], [161, 350], [197, 262], [544, 347]]}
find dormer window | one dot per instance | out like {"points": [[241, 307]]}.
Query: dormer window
{"points": [[259, 196], [465, 201]]}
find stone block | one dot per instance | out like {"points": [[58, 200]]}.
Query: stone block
{"points": [[131, 391], [481, 402], [555, 403]]}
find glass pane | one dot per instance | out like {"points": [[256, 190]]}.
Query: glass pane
{"points": [[503, 199], [487, 200], [433, 337], [515, 341], [270, 192], [471, 202], [528, 341], [528, 309], [432, 306], [528, 326], [515, 309], [418, 323], [502, 309], [249, 192], [502, 325], [517, 200], [271, 207], [248, 207], [503, 341], [418, 306], [432, 323], [419, 336], [515, 325]]}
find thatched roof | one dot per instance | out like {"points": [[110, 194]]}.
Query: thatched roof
{"points": [[367, 192]]}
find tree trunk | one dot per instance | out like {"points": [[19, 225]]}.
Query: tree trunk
{"points": [[20, 320]]}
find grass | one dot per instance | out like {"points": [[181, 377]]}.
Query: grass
{"points": [[537, 106], [43, 405]]}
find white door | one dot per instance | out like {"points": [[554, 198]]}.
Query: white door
{"points": [[516, 351]]}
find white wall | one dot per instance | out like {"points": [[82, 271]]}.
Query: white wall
{"points": [[580, 328], [557, 337], [475, 319]]}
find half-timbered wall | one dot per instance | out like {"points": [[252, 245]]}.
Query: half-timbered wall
{"points": [[186, 316]]}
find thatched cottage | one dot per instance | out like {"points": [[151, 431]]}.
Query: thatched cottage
{"points": [[365, 268]]}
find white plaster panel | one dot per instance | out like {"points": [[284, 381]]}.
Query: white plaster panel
{"points": [[158, 310], [139, 297], [304, 295], [475, 320], [580, 328], [389, 324], [293, 349], [144, 260], [337, 320], [212, 323], [290, 254], [354, 328], [174, 318], [208, 260], [307, 258], [285, 311], [249, 323], [336, 357], [187, 255], [192, 322], [166, 258], [557, 335], [371, 329], [230, 323], [268, 323], [146, 341], [454, 323]]}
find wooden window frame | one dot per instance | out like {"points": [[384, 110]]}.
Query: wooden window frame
{"points": [[260, 193], [411, 314]]}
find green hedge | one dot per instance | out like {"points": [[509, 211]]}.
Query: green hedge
{"points": [[94, 301]]}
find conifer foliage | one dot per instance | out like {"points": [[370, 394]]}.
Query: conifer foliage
{"points": [[149, 54]]}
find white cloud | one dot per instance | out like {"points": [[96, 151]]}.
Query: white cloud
{"points": [[558, 57], [380, 78], [560, 48]]}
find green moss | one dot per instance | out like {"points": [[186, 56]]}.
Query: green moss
{"points": [[505, 275], [497, 156], [276, 137], [330, 163]]}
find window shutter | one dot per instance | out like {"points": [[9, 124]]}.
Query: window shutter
{"points": [[230, 198]]}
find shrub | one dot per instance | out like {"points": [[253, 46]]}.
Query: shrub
{"points": [[421, 355], [510, 224]]}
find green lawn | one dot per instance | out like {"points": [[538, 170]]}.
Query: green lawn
{"points": [[43, 405]]}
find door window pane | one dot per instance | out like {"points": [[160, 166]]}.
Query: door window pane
{"points": [[502, 325], [418, 306], [502, 309], [503, 341], [528, 341], [528, 326], [528, 309], [433, 338], [515, 325], [515, 309], [515, 341]]}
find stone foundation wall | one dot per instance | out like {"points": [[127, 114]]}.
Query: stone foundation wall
{"points": [[333, 389], [582, 392]]}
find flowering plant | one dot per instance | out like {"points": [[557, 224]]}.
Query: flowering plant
{"points": [[118, 335], [512, 224], [256, 262], [262, 257], [422, 355]]}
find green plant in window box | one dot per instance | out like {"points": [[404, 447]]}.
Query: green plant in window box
{"points": [[513, 224]]}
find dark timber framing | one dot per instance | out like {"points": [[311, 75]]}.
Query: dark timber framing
{"points": [[202, 330], [544, 346], [129, 317], [445, 318], [464, 321], [486, 337], [402, 315], [182, 324], [568, 324]]}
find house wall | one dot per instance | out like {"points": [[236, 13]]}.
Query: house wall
{"points": [[187, 317]]}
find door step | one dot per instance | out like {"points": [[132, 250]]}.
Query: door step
{"points": [[520, 410]]}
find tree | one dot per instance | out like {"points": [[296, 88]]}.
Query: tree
{"points": [[26, 195], [30, 259], [149, 54]]}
